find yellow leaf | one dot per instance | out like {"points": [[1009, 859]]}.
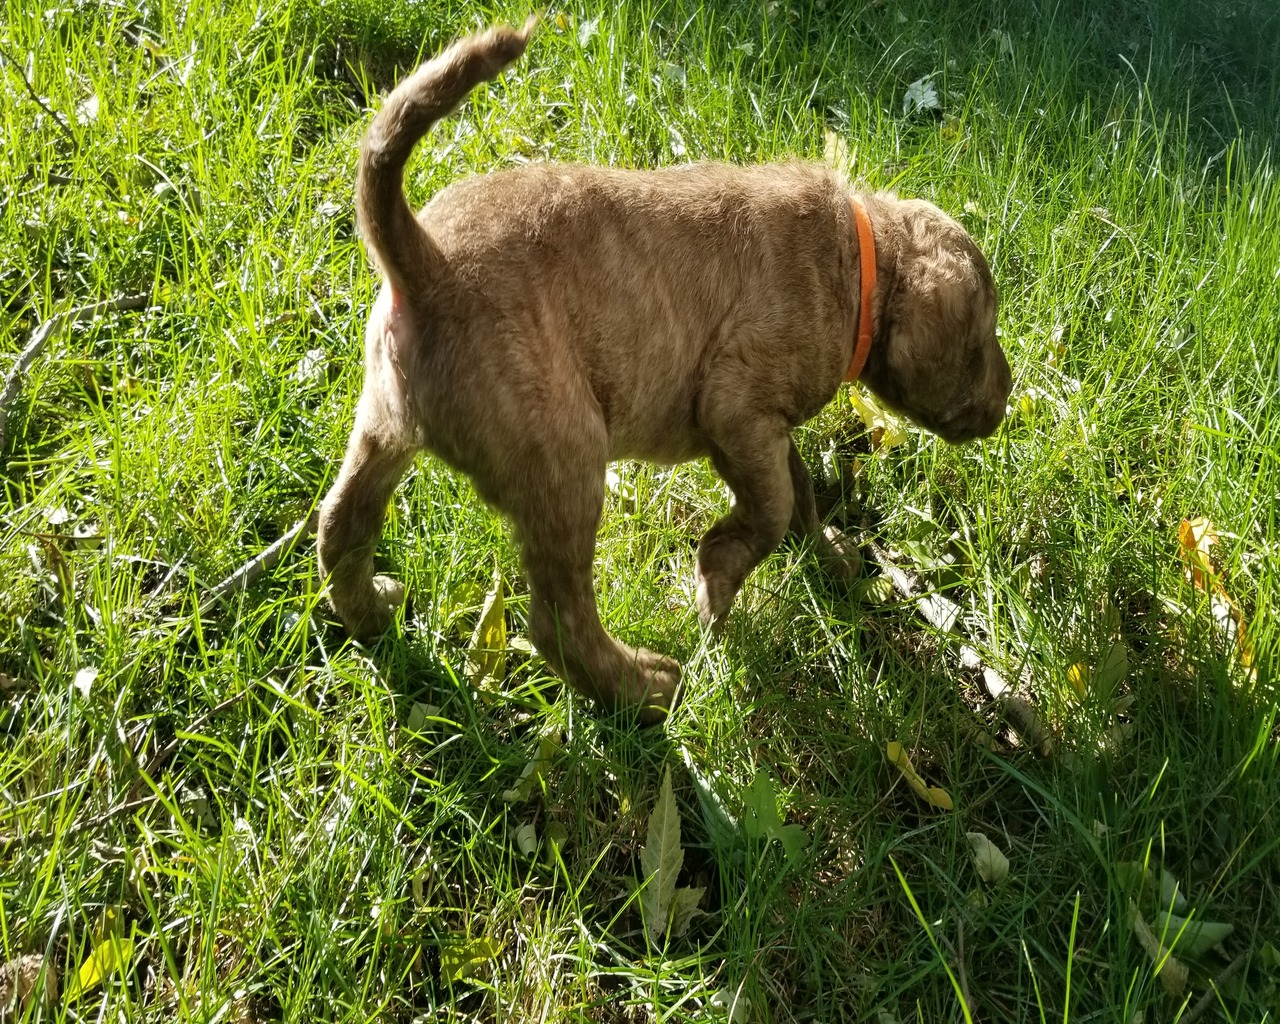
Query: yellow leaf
{"points": [[1077, 676], [109, 956], [1196, 537], [835, 151], [487, 654], [932, 795], [460, 958], [885, 428]]}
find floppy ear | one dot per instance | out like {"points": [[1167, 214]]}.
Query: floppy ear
{"points": [[941, 363]]}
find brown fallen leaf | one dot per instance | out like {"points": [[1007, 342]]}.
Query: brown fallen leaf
{"points": [[1171, 971], [1196, 538], [20, 984]]}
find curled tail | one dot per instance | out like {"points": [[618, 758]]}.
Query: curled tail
{"points": [[399, 244]]}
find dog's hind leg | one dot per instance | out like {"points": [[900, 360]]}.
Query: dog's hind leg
{"points": [[351, 518], [753, 460], [556, 513]]}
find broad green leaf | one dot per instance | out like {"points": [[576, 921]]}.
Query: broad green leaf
{"points": [[420, 714], [760, 808], [557, 838], [1113, 670], [487, 653], [661, 859], [1190, 936], [760, 818], [722, 827], [461, 957], [683, 909], [667, 910], [1171, 897]]}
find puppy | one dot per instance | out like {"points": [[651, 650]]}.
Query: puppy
{"points": [[536, 323]]}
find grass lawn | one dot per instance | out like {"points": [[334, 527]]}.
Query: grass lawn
{"points": [[234, 814]]}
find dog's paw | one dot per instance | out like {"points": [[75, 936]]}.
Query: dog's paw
{"points": [[839, 553], [714, 597], [658, 685], [378, 610]]}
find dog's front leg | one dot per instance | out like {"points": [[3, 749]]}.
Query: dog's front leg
{"points": [[752, 459], [839, 553]]}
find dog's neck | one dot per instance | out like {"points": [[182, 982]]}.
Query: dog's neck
{"points": [[867, 282]]}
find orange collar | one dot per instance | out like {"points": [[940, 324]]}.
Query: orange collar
{"points": [[867, 274]]}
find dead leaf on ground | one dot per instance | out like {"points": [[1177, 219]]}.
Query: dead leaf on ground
{"points": [[934, 796], [20, 984], [989, 859], [1196, 539], [1171, 971]]}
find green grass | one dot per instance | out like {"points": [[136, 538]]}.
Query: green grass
{"points": [[244, 790]]}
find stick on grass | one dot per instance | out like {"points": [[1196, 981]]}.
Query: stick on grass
{"points": [[265, 562], [40, 338]]}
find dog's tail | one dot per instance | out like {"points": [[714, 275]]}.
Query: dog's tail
{"points": [[399, 244]]}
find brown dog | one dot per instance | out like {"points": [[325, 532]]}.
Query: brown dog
{"points": [[536, 323]]}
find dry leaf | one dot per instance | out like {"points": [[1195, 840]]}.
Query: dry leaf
{"points": [[1171, 971], [20, 981], [487, 653], [935, 796], [992, 864], [1196, 537], [532, 775], [526, 837]]}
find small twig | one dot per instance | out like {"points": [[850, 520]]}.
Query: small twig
{"points": [[1206, 1000], [62, 126], [42, 336], [163, 756], [255, 567], [944, 614]]}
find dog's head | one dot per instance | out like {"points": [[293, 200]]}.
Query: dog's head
{"points": [[935, 357]]}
